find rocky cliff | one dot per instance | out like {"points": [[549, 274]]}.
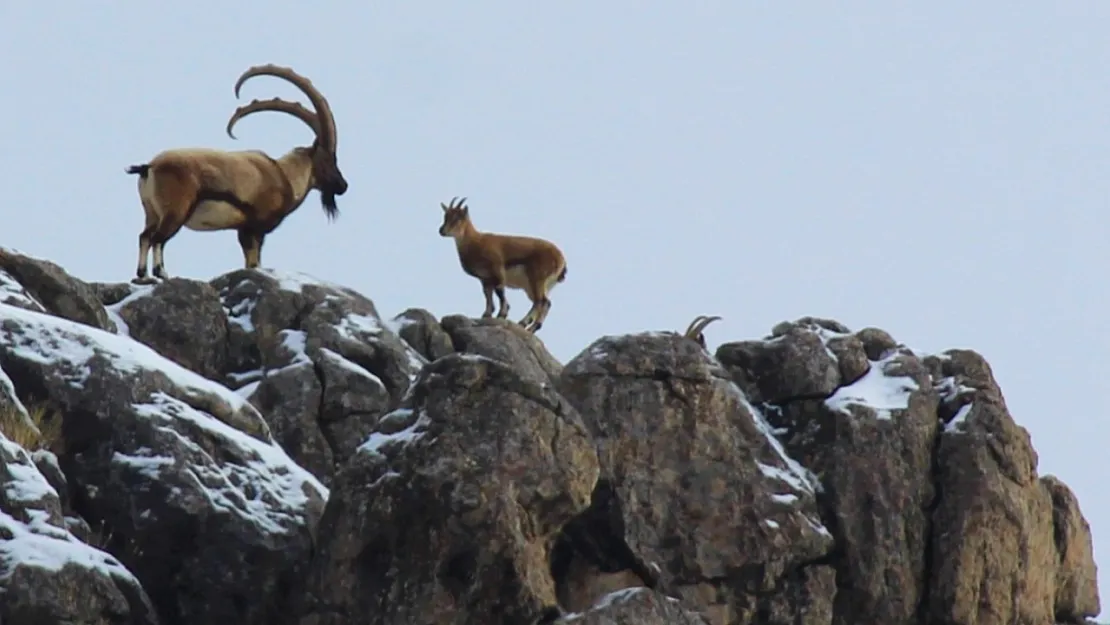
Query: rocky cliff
{"points": [[266, 448]]}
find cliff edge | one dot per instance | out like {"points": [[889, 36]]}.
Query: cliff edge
{"points": [[266, 448]]}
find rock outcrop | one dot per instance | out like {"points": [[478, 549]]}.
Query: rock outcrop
{"points": [[266, 448]]}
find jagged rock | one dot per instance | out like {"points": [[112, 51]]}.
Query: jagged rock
{"points": [[871, 443], [182, 320], [420, 329], [794, 363], [195, 497], [696, 496], [997, 556], [12, 293], [806, 598], [447, 513], [635, 606], [48, 286], [1076, 572], [315, 358], [48, 575], [505, 341]]}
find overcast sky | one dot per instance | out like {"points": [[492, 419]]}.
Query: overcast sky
{"points": [[942, 173]]}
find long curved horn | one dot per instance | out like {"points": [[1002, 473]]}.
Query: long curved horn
{"points": [[690, 328], [698, 325], [274, 104], [327, 134]]}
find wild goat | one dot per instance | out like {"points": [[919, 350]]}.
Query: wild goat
{"points": [[697, 326], [246, 190], [499, 261]]}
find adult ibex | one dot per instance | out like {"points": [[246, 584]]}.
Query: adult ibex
{"points": [[206, 189]]}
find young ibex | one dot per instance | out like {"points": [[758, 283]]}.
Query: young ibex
{"points": [[697, 326], [499, 261], [206, 189]]}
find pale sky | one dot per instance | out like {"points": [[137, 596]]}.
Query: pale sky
{"points": [[940, 170]]}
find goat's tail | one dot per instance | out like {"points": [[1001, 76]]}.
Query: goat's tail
{"points": [[139, 169], [563, 275]]}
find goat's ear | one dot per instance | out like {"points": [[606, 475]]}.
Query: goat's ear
{"points": [[443, 206], [466, 210]]}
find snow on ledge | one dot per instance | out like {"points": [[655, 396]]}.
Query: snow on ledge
{"points": [[69, 347], [377, 441], [266, 469], [7, 388], [12, 290], [37, 543], [958, 423], [46, 546], [296, 281], [799, 478], [137, 291], [613, 598], [28, 485], [398, 322], [878, 390]]}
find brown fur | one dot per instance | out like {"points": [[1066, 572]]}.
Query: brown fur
{"points": [[205, 189], [500, 260]]}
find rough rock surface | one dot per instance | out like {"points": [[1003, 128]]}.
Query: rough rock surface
{"points": [[265, 447], [48, 575], [696, 496], [452, 505], [860, 412]]}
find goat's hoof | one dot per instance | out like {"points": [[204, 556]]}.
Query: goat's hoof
{"points": [[143, 280], [488, 315]]}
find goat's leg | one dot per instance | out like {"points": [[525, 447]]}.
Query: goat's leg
{"points": [[487, 290], [541, 316], [503, 311], [540, 291], [150, 222], [167, 228], [159, 245], [176, 196], [530, 318], [497, 281], [535, 293], [251, 242]]}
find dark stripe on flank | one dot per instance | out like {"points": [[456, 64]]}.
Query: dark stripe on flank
{"points": [[206, 195]]}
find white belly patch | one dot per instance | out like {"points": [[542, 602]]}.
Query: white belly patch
{"points": [[517, 277], [215, 215]]}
